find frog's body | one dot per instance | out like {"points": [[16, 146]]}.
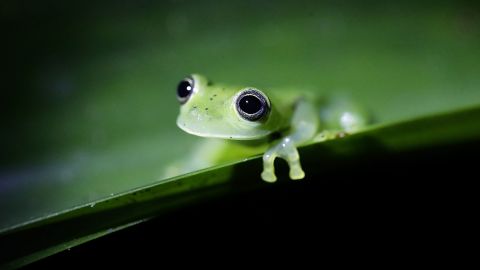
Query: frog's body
{"points": [[244, 121]]}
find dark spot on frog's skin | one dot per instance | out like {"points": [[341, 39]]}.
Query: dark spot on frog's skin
{"points": [[214, 95], [206, 109], [211, 98], [194, 107], [209, 83]]}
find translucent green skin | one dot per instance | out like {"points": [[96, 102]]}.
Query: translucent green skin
{"points": [[211, 112]]}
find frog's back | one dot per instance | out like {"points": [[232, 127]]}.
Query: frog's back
{"points": [[336, 112], [340, 112]]}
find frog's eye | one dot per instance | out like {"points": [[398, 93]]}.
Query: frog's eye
{"points": [[185, 89], [252, 105]]}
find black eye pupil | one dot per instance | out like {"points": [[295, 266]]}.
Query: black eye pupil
{"points": [[250, 104], [184, 90]]}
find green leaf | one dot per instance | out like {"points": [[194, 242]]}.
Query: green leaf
{"points": [[74, 226]]}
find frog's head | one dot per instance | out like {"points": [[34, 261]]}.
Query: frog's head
{"points": [[220, 111]]}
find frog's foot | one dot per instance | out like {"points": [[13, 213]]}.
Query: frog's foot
{"points": [[293, 159], [341, 134], [296, 173], [325, 136], [286, 150], [330, 135], [268, 174]]}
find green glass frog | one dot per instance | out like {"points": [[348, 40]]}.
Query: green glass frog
{"points": [[259, 121]]}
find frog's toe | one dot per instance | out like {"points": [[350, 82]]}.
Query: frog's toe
{"points": [[324, 136], [296, 173], [269, 176]]}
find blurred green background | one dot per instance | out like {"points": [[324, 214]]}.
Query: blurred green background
{"points": [[88, 101]]}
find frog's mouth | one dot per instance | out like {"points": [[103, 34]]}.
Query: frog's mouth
{"points": [[221, 131]]}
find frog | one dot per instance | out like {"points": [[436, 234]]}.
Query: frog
{"points": [[248, 120]]}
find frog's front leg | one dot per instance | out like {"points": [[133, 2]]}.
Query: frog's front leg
{"points": [[303, 126], [287, 150]]}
